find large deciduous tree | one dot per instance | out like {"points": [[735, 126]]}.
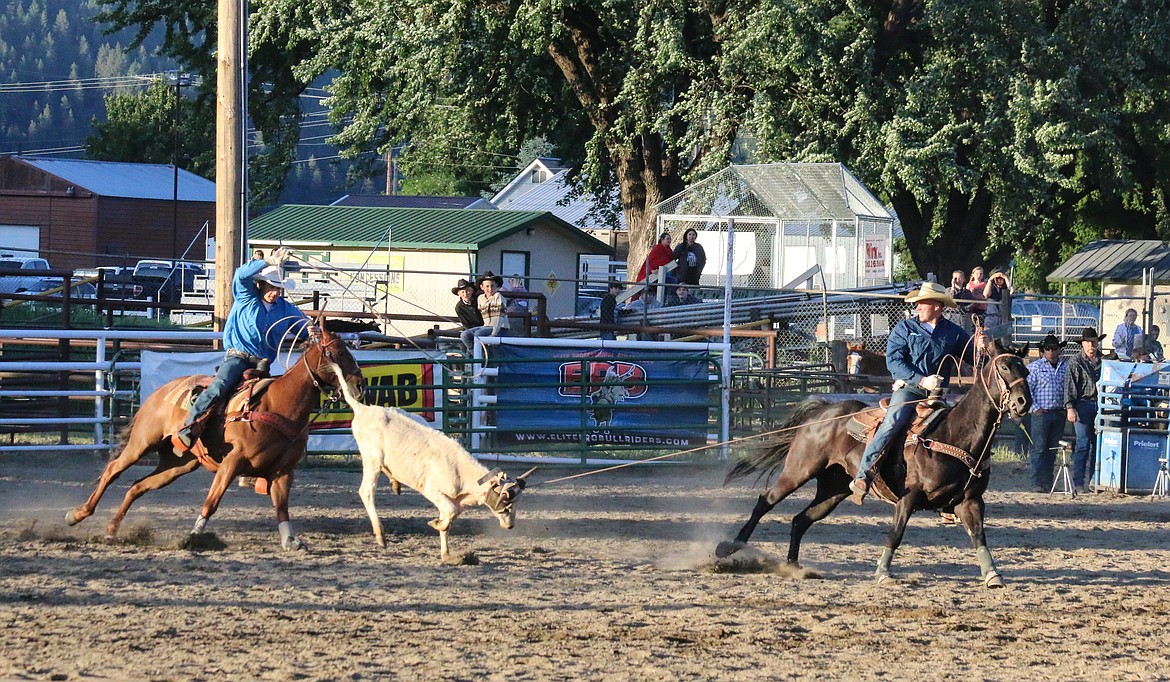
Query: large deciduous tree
{"points": [[993, 128], [642, 94], [145, 127]]}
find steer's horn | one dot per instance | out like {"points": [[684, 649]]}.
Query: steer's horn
{"points": [[520, 479]]}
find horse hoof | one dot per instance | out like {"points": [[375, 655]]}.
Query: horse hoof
{"points": [[725, 549], [993, 580], [885, 579], [295, 545], [72, 518]]}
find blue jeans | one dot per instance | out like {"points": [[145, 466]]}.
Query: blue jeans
{"points": [[897, 419], [1047, 429], [227, 377], [1085, 453]]}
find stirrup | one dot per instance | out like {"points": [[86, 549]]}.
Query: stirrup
{"points": [[860, 488], [181, 447]]}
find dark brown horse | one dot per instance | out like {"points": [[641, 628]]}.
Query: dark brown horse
{"points": [[813, 443], [267, 442]]}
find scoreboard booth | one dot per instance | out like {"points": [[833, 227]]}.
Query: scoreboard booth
{"points": [[1133, 410]]}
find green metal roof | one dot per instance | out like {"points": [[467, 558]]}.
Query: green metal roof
{"points": [[420, 228]]}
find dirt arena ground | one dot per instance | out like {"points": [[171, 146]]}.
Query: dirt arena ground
{"points": [[607, 577]]}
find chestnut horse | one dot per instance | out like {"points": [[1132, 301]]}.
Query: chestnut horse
{"points": [[867, 362], [949, 469], [266, 442]]}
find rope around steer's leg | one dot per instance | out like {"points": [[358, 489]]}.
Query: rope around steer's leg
{"points": [[991, 577]]}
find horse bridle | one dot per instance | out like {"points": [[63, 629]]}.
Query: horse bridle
{"points": [[1005, 387], [335, 390]]}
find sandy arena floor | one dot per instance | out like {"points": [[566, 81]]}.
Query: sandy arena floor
{"points": [[607, 577]]}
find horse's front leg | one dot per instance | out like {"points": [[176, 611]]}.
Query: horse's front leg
{"points": [[278, 489], [224, 475], [970, 512], [902, 512]]}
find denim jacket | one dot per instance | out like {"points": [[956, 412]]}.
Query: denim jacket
{"points": [[913, 352]]}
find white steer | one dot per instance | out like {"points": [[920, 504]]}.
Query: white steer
{"points": [[409, 451]]}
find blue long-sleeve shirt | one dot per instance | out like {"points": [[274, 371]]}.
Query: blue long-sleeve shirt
{"points": [[913, 352], [251, 326]]}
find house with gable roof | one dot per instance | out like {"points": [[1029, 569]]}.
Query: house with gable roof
{"points": [[544, 185], [411, 257], [67, 209]]}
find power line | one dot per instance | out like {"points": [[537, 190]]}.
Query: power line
{"points": [[97, 83]]}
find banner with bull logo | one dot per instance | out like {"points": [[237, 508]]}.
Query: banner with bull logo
{"points": [[615, 396]]}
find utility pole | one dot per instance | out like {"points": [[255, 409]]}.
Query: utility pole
{"points": [[229, 146], [178, 81]]}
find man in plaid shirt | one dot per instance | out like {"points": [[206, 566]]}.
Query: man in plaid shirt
{"points": [[1046, 382]]}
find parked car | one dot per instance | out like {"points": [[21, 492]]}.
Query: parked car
{"points": [[1033, 320], [53, 287], [10, 284], [118, 282]]}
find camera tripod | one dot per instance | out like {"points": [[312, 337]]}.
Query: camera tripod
{"points": [[1063, 475], [1163, 481]]}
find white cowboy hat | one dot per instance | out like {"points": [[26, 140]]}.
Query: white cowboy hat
{"points": [[272, 275], [931, 291]]}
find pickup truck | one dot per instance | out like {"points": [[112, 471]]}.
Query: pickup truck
{"points": [[166, 280]]}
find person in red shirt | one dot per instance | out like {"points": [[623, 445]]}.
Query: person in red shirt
{"points": [[660, 255]]}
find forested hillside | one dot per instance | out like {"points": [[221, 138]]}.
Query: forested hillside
{"points": [[43, 42], [56, 66]]}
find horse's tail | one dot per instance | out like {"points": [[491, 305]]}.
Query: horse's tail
{"points": [[768, 458], [122, 436]]}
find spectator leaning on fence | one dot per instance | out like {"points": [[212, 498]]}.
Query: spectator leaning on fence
{"points": [[976, 287], [961, 313], [1080, 402], [1126, 335], [998, 292], [491, 309], [1046, 382], [609, 309], [691, 258], [466, 309], [682, 296]]}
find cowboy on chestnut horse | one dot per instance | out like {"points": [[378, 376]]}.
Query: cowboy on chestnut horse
{"points": [[259, 319]]}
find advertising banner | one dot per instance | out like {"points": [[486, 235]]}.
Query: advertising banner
{"points": [[617, 396], [874, 249]]}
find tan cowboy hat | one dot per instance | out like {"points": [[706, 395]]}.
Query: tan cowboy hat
{"points": [[461, 285], [272, 275], [931, 291]]}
